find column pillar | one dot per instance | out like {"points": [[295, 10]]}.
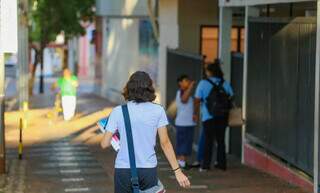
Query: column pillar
{"points": [[225, 26], [169, 38]]}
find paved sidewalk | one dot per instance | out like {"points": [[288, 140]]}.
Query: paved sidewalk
{"points": [[64, 156]]}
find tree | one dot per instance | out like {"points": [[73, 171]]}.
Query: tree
{"points": [[50, 18]]}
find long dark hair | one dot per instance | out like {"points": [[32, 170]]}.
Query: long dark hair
{"points": [[215, 69], [139, 88]]}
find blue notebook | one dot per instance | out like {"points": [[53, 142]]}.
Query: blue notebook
{"points": [[102, 123]]}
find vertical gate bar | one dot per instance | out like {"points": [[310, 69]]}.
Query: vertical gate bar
{"points": [[316, 111], [250, 11], [2, 109]]}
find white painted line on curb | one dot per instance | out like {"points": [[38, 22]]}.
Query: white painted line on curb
{"points": [[76, 189], [72, 179]]}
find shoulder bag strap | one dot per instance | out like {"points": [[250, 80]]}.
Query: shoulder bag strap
{"points": [[133, 167]]}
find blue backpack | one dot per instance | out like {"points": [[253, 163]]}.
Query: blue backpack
{"points": [[218, 101]]}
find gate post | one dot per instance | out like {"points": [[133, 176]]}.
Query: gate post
{"points": [[250, 12], [317, 108], [225, 27]]}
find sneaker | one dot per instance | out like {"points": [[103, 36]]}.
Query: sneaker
{"points": [[182, 163], [195, 164], [187, 167], [201, 170]]}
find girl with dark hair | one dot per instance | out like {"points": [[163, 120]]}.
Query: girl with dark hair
{"points": [[214, 126], [147, 119]]}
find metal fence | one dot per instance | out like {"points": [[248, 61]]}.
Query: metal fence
{"points": [[280, 97], [179, 63]]}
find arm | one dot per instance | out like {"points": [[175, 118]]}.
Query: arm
{"points": [[196, 112], [186, 95], [106, 141], [170, 155], [75, 82]]}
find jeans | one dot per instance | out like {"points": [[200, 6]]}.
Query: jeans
{"points": [[214, 132], [200, 151], [148, 178]]}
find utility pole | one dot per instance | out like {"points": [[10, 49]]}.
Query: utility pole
{"points": [[2, 94], [8, 44], [23, 54]]}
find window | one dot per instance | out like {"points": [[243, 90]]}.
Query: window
{"points": [[210, 41]]}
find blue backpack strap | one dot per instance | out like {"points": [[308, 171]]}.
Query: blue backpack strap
{"points": [[133, 167], [219, 85]]}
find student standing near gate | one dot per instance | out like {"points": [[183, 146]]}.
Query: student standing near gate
{"points": [[213, 98], [184, 123], [68, 87]]}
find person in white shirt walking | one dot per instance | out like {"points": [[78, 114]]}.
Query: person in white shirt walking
{"points": [[147, 120], [184, 122]]}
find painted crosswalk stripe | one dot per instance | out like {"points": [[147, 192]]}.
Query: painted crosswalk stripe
{"points": [[66, 164], [63, 153], [163, 163], [61, 164], [70, 171], [76, 189], [48, 149], [174, 177], [72, 179], [70, 158], [199, 187], [165, 169]]}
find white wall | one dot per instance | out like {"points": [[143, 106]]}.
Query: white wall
{"points": [[121, 56], [126, 8], [193, 14], [169, 38]]}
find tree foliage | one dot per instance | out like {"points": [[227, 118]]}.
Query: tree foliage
{"points": [[48, 18], [51, 17]]}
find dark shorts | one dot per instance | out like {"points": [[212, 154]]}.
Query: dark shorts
{"points": [[148, 178], [184, 140]]}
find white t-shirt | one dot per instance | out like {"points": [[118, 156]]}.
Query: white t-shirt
{"points": [[184, 112], [146, 119]]}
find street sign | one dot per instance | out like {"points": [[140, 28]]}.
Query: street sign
{"points": [[8, 26]]}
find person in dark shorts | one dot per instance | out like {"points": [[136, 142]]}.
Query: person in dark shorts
{"points": [[184, 123]]}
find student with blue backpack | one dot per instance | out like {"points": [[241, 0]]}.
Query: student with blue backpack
{"points": [[213, 98]]}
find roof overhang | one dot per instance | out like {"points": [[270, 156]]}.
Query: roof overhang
{"points": [[242, 3]]}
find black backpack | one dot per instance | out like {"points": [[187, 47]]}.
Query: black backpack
{"points": [[218, 101]]}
